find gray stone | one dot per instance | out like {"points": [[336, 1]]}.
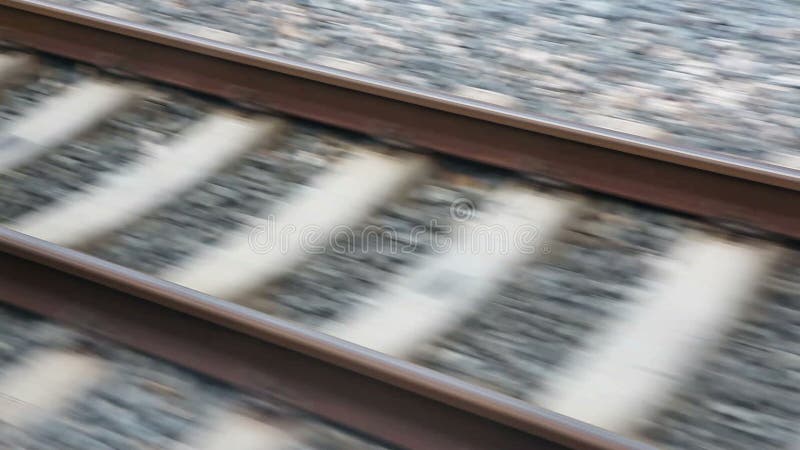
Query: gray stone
{"points": [[746, 396], [615, 45], [54, 75], [202, 215], [396, 237], [551, 307], [76, 165], [142, 403]]}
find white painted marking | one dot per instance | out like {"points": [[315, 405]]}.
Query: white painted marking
{"points": [[235, 431], [60, 119], [254, 255], [121, 197], [681, 316], [437, 295], [14, 65], [44, 384]]}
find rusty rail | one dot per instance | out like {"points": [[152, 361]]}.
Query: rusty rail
{"points": [[719, 187], [395, 401]]}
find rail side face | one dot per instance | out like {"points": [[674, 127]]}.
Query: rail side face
{"points": [[332, 392], [397, 402]]}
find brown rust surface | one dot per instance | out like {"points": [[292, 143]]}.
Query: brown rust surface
{"points": [[718, 187], [397, 402]]}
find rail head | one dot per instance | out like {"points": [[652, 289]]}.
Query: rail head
{"points": [[716, 186]]}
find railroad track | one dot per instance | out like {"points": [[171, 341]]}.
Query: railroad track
{"points": [[532, 290]]}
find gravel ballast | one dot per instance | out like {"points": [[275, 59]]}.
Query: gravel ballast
{"points": [[146, 403], [322, 436], [149, 123], [21, 332], [716, 75], [357, 264], [143, 402], [53, 76], [552, 306], [747, 395], [201, 216]]}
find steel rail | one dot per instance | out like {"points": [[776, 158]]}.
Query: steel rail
{"points": [[715, 186], [399, 402]]}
